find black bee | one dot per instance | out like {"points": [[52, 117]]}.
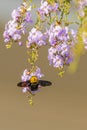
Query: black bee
{"points": [[33, 84]]}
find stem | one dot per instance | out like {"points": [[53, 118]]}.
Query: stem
{"points": [[33, 56], [61, 16]]}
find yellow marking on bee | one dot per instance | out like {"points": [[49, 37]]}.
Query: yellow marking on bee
{"points": [[33, 79]]}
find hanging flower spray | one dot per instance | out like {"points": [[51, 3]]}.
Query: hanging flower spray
{"points": [[52, 28]]}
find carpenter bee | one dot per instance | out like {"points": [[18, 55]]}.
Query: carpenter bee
{"points": [[34, 84]]}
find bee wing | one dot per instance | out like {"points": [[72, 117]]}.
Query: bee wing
{"points": [[44, 83], [23, 84]]}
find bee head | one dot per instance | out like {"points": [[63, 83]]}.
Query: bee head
{"points": [[33, 79]]}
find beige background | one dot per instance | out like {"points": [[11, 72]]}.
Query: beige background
{"points": [[63, 106]]}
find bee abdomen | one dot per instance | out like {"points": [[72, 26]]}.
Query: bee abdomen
{"points": [[34, 87]]}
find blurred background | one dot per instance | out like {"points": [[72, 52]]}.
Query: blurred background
{"points": [[62, 106]]}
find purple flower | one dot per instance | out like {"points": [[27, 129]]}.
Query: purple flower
{"points": [[25, 89], [60, 55], [17, 26], [63, 34], [15, 15], [57, 34], [28, 18], [44, 8], [84, 37], [27, 75], [53, 7], [63, 49], [36, 37], [58, 61], [20, 43], [11, 32], [54, 58], [82, 4], [47, 8]]}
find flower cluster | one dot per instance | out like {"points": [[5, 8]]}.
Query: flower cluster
{"points": [[36, 37], [57, 34], [46, 8], [17, 26], [82, 8], [60, 55], [27, 76], [61, 41], [52, 28]]}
